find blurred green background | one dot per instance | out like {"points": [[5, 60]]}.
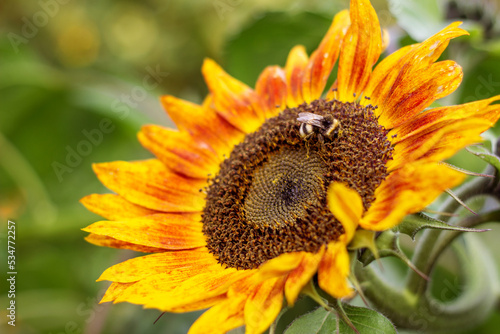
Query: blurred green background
{"points": [[70, 68]]}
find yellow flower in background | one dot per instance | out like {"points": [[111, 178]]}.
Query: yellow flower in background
{"points": [[261, 189]]}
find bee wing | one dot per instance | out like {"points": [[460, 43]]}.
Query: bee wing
{"points": [[310, 118]]}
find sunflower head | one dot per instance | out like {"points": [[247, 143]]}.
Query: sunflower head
{"points": [[259, 190], [269, 196]]}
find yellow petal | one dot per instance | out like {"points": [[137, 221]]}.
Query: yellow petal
{"points": [[180, 265], [179, 152], [333, 271], [114, 290], [167, 231], [221, 318], [299, 276], [114, 207], [347, 206], [151, 185], [280, 265], [262, 307], [106, 241]]}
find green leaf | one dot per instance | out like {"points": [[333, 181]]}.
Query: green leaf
{"points": [[484, 154], [319, 321], [366, 321], [411, 224]]}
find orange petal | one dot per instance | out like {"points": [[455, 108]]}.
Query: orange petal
{"points": [[232, 99], [397, 73], [179, 152], [299, 277], [221, 318], [333, 271], [438, 117], [295, 69], [105, 241], [413, 93], [114, 290], [271, 88], [202, 123], [324, 58], [438, 142], [114, 207], [347, 206], [167, 231], [408, 190], [262, 307], [150, 184], [179, 266], [361, 47]]}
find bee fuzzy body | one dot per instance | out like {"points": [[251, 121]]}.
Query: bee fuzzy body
{"points": [[313, 123]]}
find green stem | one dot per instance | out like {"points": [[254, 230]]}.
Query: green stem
{"points": [[28, 182], [425, 312], [415, 284]]}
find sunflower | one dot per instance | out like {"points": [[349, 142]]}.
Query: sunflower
{"points": [[259, 190]]}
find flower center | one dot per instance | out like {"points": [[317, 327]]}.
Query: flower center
{"points": [[269, 196], [284, 187]]}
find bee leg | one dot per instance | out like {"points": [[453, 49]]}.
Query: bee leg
{"points": [[321, 141]]}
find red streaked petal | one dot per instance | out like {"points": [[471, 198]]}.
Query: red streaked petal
{"points": [[401, 68], [151, 185], [167, 231], [232, 99], [105, 241], [202, 123], [179, 152], [272, 89], [438, 117], [407, 190], [417, 91], [361, 47], [324, 58], [114, 207], [295, 68], [438, 142]]}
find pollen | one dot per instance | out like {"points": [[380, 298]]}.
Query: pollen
{"points": [[269, 196]]}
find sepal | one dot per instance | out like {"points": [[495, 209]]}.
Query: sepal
{"points": [[412, 224]]}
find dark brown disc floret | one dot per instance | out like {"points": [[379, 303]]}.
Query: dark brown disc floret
{"points": [[269, 196]]}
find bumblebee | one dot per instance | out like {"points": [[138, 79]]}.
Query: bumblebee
{"points": [[311, 123]]}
